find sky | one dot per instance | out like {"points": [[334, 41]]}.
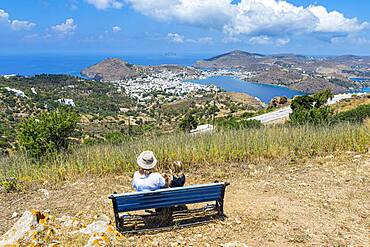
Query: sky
{"points": [[322, 27]]}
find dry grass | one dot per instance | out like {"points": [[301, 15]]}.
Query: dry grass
{"points": [[352, 103], [268, 143]]}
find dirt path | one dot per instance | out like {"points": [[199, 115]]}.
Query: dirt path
{"points": [[325, 202]]}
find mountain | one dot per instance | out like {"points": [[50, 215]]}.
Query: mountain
{"points": [[111, 69], [253, 61], [304, 73], [231, 59]]}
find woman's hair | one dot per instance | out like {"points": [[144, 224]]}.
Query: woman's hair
{"points": [[146, 171]]}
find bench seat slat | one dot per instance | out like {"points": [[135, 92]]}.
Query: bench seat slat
{"points": [[164, 204], [166, 190], [123, 206], [166, 196]]}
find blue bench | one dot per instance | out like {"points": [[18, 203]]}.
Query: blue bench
{"points": [[167, 198]]}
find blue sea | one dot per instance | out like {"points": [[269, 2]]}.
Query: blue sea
{"points": [[264, 92], [33, 64]]}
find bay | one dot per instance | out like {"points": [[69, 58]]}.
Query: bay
{"points": [[264, 92]]}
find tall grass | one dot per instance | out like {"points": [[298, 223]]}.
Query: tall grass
{"points": [[218, 148]]}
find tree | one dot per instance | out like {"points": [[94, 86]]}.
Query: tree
{"points": [[49, 132], [312, 109], [188, 123]]}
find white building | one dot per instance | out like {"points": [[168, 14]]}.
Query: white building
{"points": [[202, 129], [69, 102]]}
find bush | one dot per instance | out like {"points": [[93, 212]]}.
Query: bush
{"points": [[188, 123], [115, 137], [309, 109], [357, 115], [48, 133], [233, 123]]}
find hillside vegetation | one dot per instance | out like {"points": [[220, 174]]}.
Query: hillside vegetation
{"points": [[242, 146]]}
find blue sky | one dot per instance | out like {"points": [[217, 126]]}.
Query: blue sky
{"points": [[321, 27]]}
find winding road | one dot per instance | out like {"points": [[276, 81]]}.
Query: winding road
{"points": [[283, 113]]}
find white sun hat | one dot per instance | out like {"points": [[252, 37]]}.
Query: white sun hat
{"points": [[147, 160]]}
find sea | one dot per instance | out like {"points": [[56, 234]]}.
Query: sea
{"points": [[72, 64], [265, 92]]}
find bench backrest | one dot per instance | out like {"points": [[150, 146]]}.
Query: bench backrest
{"points": [[168, 197]]}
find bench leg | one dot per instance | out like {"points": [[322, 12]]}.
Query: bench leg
{"points": [[116, 215], [220, 208], [220, 204]]}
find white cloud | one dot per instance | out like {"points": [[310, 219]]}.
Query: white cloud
{"points": [[230, 39], [282, 41], [22, 25], [4, 16], [105, 4], [116, 29], [205, 40], [15, 25], [206, 13], [176, 38], [66, 28], [260, 40], [266, 40], [353, 39], [250, 17], [335, 21]]}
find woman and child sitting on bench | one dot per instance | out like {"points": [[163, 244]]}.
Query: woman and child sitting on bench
{"points": [[147, 180]]}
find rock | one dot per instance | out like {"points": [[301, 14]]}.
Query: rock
{"points": [[101, 232], [277, 102], [14, 215], [234, 244], [22, 228], [95, 227], [103, 217], [45, 192], [67, 221]]}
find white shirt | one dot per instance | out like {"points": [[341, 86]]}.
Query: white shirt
{"points": [[150, 182]]}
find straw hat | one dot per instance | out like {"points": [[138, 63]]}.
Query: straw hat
{"points": [[147, 160]]}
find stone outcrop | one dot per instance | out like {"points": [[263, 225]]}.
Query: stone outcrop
{"points": [[278, 102], [35, 228]]}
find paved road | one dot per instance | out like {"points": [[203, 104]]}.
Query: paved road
{"points": [[284, 112]]}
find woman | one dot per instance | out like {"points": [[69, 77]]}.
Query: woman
{"points": [[147, 180]]}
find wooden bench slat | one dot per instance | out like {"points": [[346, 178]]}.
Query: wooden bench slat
{"points": [[169, 202], [166, 196], [189, 187]]}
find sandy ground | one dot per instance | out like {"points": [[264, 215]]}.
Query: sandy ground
{"points": [[321, 202]]}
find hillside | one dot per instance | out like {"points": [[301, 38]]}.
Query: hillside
{"points": [[115, 69], [303, 73], [289, 186], [111, 69], [230, 60], [106, 109]]}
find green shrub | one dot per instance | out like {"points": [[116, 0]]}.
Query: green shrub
{"points": [[356, 115], [188, 123], [10, 185], [311, 109], [234, 123], [115, 137], [48, 133]]}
